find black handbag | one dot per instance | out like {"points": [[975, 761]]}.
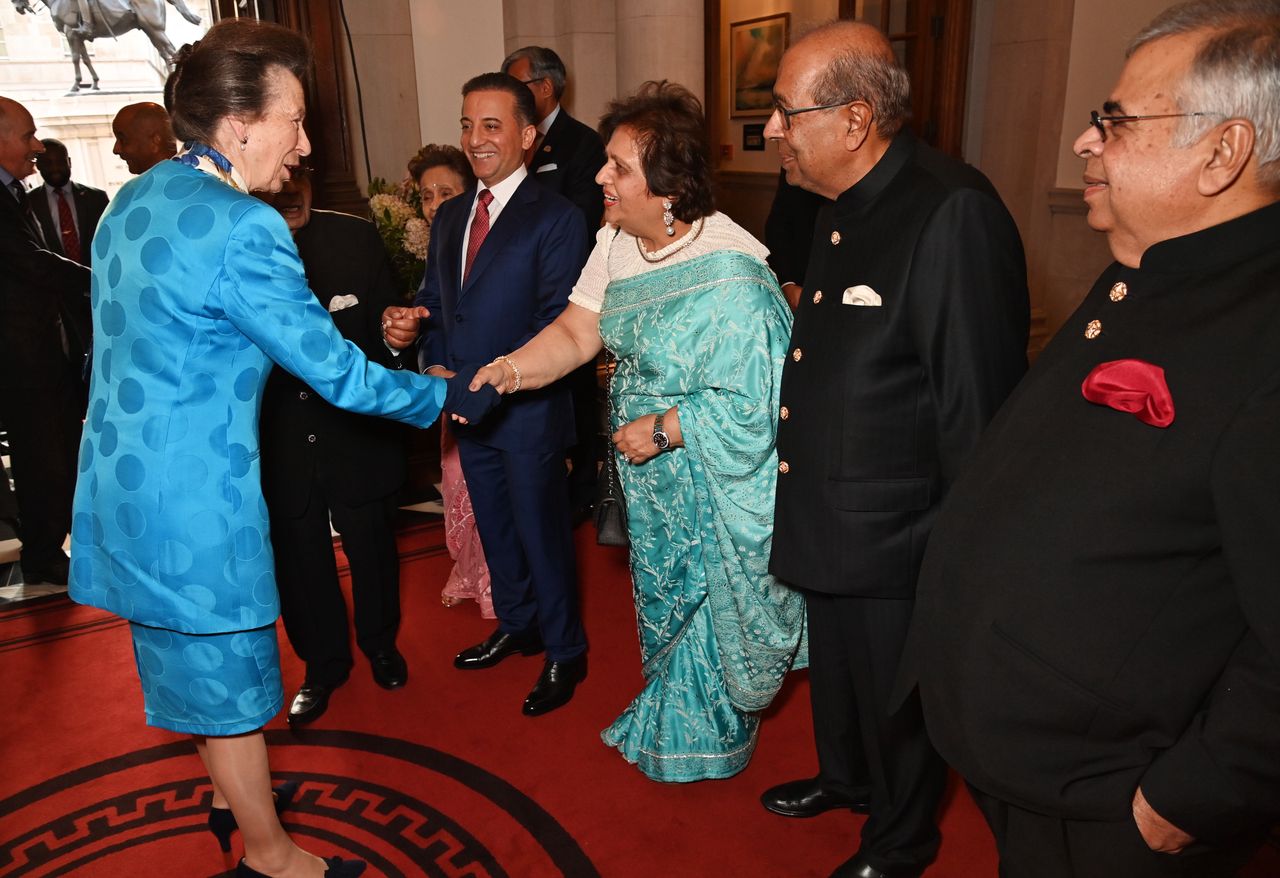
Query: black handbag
{"points": [[611, 506]]}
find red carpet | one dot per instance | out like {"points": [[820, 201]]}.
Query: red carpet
{"points": [[442, 778]]}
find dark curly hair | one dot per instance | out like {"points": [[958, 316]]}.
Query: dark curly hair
{"points": [[433, 155], [666, 121]]}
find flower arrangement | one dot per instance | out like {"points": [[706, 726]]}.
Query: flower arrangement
{"points": [[396, 209]]}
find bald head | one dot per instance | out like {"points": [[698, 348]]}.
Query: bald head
{"points": [[18, 144], [847, 61], [143, 136], [841, 97]]}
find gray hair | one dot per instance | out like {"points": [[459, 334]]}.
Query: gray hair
{"points": [[1235, 72], [544, 63], [854, 74]]}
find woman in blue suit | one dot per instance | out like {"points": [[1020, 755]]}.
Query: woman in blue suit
{"points": [[198, 290]]}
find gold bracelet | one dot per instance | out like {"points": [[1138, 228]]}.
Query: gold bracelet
{"points": [[514, 369]]}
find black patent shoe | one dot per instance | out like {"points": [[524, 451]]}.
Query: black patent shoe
{"points": [[555, 685], [857, 867], [338, 868], [390, 670], [222, 822], [496, 647], [310, 703], [808, 798]]}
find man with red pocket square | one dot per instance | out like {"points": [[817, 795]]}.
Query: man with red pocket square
{"points": [[1097, 632]]}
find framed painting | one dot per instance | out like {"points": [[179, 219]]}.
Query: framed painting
{"points": [[755, 48]]}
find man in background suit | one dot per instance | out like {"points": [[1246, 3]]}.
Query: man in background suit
{"points": [[1097, 641], [502, 261], [40, 387], [144, 136], [565, 157], [321, 463], [68, 211], [911, 331]]}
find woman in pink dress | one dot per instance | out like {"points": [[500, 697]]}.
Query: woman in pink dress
{"points": [[441, 173]]}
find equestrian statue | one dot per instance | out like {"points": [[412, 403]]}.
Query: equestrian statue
{"points": [[81, 20]]}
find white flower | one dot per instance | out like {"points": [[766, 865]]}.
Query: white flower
{"points": [[416, 236], [395, 211]]}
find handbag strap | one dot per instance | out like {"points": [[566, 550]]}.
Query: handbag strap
{"points": [[610, 366]]}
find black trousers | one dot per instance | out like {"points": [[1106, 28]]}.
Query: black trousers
{"points": [[43, 422], [1035, 845], [854, 648], [311, 601]]}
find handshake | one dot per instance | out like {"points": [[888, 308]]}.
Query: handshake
{"points": [[460, 400]]}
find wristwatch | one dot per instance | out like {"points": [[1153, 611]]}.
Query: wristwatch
{"points": [[660, 437]]}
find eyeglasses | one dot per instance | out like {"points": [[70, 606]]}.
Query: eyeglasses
{"points": [[787, 114], [532, 81], [300, 172], [1100, 122]]}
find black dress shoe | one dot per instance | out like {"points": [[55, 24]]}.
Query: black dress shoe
{"points": [[496, 647], [555, 685], [310, 703], [807, 798], [857, 867], [389, 668]]}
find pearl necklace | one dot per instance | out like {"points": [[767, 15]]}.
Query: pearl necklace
{"points": [[672, 249]]}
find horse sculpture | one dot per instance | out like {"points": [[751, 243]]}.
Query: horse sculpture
{"points": [[110, 19]]}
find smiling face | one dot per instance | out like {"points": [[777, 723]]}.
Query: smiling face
{"points": [[492, 137], [1140, 188], [19, 145], [436, 186], [293, 200], [277, 140], [628, 203], [813, 149]]}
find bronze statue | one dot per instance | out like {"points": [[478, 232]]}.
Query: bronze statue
{"points": [[81, 20]]}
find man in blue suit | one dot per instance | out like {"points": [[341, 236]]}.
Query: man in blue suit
{"points": [[502, 261]]}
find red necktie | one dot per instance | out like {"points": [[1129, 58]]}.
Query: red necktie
{"points": [[67, 225], [479, 229]]}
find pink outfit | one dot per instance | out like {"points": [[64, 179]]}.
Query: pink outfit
{"points": [[470, 575]]}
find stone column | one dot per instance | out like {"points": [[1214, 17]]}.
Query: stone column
{"points": [[660, 39]]}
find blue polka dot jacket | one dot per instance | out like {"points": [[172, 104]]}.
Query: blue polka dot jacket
{"points": [[197, 290]]}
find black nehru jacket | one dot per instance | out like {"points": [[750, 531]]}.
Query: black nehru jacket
{"points": [[882, 404], [1100, 603]]}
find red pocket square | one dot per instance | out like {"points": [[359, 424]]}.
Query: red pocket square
{"points": [[1133, 386]]}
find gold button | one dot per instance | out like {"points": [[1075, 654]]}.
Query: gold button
{"points": [[797, 354], [784, 413], [784, 467], [835, 237], [817, 297], [1093, 330], [1119, 290]]}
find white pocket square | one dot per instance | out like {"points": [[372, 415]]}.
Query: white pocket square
{"points": [[861, 295], [551, 167], [339, 303]]}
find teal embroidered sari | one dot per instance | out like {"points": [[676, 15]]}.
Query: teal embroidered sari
{"points": [[717, 632]]}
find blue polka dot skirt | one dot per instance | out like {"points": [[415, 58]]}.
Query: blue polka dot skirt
{"points": [[209, 684]]}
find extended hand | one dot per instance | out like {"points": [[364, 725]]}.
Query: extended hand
{"points": [[400, 325], [1159, 834], [495, 375], [468, 407]]}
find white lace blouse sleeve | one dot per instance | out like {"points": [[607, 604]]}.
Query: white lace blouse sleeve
{"points": [[588, 292]]}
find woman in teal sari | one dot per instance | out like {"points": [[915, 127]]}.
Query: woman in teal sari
{"points": [[682, 296]]}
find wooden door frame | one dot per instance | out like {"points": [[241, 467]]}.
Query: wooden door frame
{"points": [[327, 102]]}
